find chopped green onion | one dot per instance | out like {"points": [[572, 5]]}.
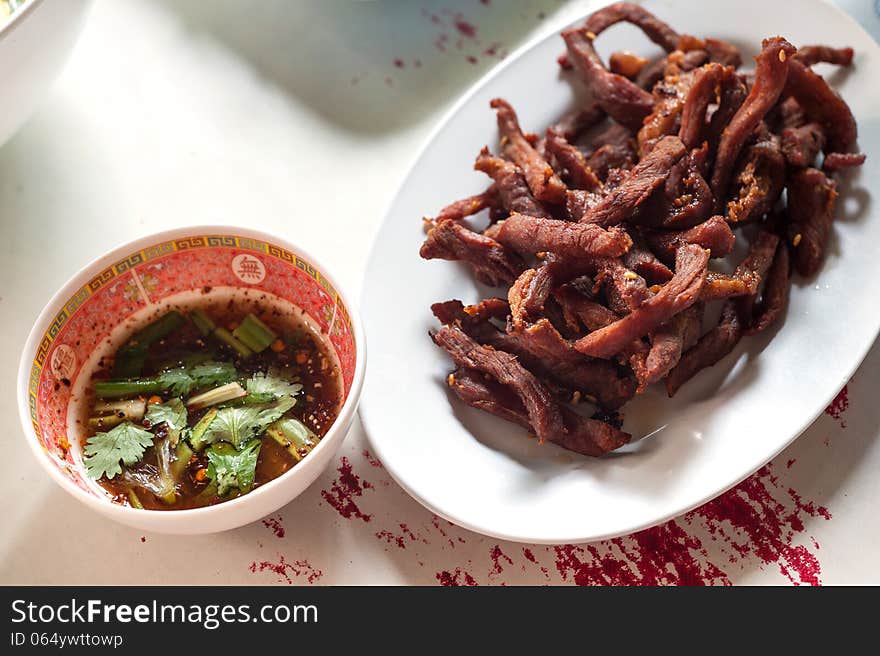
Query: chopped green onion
{"points": [[229, 339], [199, 430], [254, 333], [217, 395], [294, 436], [134, 501], [182, 455], [114, 389], [203, 322], [130, 408], [129, 360]]}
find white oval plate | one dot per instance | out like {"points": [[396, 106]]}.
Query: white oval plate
{"points": [[485, 474]]}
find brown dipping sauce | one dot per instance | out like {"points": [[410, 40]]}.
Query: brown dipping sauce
{"points": [[302, 356]]}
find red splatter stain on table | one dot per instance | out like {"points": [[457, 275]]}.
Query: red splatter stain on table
{"points": [[274, 524], [284, 569], [749, 520], [456, 578], [839, 405], [344, 490], [497, 556]]}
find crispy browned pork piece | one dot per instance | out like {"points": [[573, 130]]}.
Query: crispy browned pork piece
{"points": [[757, 182], [823, 105], [544, 184], [466, 207], [773, 64], [834, 162], [574, 123], [511, 184], [624, 289], [809, 55], [642, 260], [675, 296], [670, 340], [775, 295], [713, 234], [811, 201], [748, 274], [583, 435], [542, 409], [685, 199], [622, 99], [709, 350], [492, 263], [529, 234], [543, 351], [639, 184], [669, 100], [801, 145], [701, 92], [577, 171], [723, 52]]}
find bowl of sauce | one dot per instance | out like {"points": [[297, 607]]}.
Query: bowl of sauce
{"points": [[192, 381]]}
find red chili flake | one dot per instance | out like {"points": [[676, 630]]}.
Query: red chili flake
{"points": [[471, 59], [344, 490], [464, 28], [373, 460], [529, 555], [399, 63], [284, 569], [457, 578], [143, 538], [274, 524], [790, 463], [839, 405], [492, 50], [497, 556]]}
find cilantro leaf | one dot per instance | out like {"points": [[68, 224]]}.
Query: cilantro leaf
{"points": [[237, 425], [272, 386], [103, 451], [229, 468], [171, 412], [183, 380], [212, 373]]}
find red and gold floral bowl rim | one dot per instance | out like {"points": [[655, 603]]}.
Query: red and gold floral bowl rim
{"points": [[146, 271]]}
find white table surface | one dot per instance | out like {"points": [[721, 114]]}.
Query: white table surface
{"points": [[296, 118]]}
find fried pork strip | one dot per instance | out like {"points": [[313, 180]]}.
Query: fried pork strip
{"points": [[511, 184], [678, 294], [834, 162], [543, 411], [542, 350], [810, 55], [748, 274], [713, 234], [709, 350], [638, 186], [544, 184], [493, 265], [823, 105], [573, 161], [759, 181], [670, 340], [775, 295], [773, 65], [529, 234], [583, 435], [811, 201], [801, 145], [461, 209]]}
